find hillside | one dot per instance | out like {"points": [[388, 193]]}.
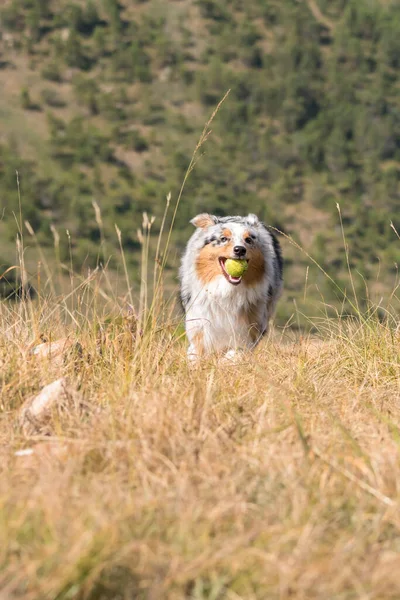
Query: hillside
{"points": [[106, 100]]}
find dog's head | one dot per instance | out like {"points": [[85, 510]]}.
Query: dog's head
{"points": [[220, 238]]}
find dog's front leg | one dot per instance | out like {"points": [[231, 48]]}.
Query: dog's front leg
{"points": [[196, 345]]}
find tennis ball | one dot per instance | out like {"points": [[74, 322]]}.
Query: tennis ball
{"points": [[235, 268]]}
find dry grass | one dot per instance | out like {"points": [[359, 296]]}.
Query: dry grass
{"points": [[278, 478]]}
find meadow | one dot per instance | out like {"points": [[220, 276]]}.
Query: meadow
{"points": [[277, 477]]}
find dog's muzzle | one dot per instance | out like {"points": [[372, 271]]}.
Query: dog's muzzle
{"points": [[239, 251]]}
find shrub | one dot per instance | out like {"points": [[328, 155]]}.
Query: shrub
{"points": [[52, 71], [139, 142], [87, 93], [26, 101], [74, 52], [12, 18], [52, 98]]}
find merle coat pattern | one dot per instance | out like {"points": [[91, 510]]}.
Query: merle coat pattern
{"points": [[223, 313]]}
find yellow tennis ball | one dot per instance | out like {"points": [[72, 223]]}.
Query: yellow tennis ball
{"points": [[236, 267]]}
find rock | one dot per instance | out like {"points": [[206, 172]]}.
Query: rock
{"points": [[36, 413]]}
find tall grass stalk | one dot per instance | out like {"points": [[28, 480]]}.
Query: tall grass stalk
{"points": [[203, 138]]}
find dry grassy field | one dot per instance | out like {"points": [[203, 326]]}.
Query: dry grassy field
{"points": [[275, 478]]}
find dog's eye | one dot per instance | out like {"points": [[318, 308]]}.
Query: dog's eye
{"points": [[249, 240], [224, 239]]}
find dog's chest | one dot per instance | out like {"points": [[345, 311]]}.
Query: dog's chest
{"points": [[222, 326], [221, 311]]}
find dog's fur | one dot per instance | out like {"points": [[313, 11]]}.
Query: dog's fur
{"points": [[224, 313]]}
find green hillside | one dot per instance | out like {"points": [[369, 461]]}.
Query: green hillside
{"points": [[105, 101]]}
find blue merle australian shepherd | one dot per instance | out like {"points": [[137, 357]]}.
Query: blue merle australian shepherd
{"points": [[225, 313]]}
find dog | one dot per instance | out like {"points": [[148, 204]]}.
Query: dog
{"points": [[224, 314]]}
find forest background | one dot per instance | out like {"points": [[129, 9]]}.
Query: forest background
{"points": [[102, 103]]}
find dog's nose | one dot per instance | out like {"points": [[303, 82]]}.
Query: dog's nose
{"points": [[239, 251]]}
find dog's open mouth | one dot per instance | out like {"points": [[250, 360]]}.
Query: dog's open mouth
{"points": [[230, 278]]}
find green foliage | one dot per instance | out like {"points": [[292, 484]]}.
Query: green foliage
{"points": [[79, 142], [113, 11], [26, 101], [85, 19], [11, 17], [52, 72], [52, 98], [87, 93], [74, 52], [25, 97], [139, 142], [131, 62], [312, 119]]}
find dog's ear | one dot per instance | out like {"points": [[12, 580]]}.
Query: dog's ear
{"points": [[252, 219], [204, 220]]}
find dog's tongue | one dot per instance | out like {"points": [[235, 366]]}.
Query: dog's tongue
{"points": [[234, 279]]}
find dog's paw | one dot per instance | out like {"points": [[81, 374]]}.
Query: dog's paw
{"points": [[230, 355], [233, 356], [193, 357]]}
